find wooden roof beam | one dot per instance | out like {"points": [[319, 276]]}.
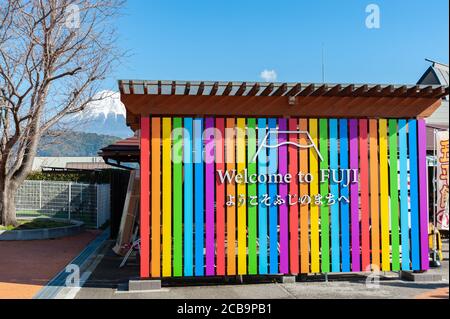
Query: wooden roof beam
{"points": [[307, 91], [201, 88], [281, 90], [131, 84], [228, 89], [401, 91], [334, 90], [425, 92], [254, 90], [241, 89], [348, 90], [267, 90], [412, 91], [214, 88], [387, 91], [159, 88], [320, 91], [361, 90], [295, 90], [374, 91], [187, 88]]}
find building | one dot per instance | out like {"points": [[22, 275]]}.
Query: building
{"points": [[193, 223], [85, 163]]}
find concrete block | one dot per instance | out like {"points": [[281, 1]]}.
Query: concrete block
{"points": [[144, 285], [420, 277], [288, 279]]}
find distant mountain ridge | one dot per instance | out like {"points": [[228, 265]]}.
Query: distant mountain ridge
{"points": [[71, 143]]}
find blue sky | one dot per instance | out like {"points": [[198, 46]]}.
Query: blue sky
{"points": [[235, 40]]}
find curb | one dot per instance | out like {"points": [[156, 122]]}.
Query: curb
{"points": [[42, 234], [84, 260]]}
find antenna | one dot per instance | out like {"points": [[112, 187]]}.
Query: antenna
{"points": [[323, 64]]}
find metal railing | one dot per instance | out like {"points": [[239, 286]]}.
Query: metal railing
{"points": [[89, 203]]}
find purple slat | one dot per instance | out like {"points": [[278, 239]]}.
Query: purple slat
{"points": [[283, 192], [354, 196], [423, 193]]}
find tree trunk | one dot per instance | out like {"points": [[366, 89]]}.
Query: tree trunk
{"points": [[7, 204]]}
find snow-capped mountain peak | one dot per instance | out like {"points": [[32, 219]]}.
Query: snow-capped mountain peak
{"points": [[105, 115], [104, 104]]}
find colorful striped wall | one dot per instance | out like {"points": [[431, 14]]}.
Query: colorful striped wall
{"points": [[189, 227]]}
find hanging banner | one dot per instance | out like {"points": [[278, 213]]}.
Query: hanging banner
{"points": [[442, 179]]}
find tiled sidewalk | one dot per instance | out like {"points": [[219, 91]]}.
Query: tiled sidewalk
{"points": [[26, 266]]}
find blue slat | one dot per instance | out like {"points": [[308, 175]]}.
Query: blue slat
{"points": [[262, 189], [344, 191], [188, 198], [199, 196], [334, 188], [403, 149]]}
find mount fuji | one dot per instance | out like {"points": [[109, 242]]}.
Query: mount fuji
{"points": [[106, 116]]}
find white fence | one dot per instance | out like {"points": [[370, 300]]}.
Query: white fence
{"points": [[89, 203]]}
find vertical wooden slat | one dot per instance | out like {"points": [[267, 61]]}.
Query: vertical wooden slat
{"points": [[199, 196], [273, 191], [252, 192], [188, 198], [324, 191], [156, 197], [393, 186], [304, 220], [354, 197], [209, 139], [314, 190], [283, 192], [374, 192], [344, 192], [230, 145], [384, 196], [334, 190], [262, 189], [364, 189], [167, 197], [145, 196], [241, 194], [220, 197], [414, 194], [423, 191], [404, 214], [294, 192], [177, 159]]}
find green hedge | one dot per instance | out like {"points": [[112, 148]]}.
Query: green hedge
{"points": [[91, 177]]}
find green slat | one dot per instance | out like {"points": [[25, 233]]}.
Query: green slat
{"points": [[324, 191], [252, 191], [177, 198], [393, 179]]}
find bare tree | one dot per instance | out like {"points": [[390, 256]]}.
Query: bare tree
{"points": [[53, 56]]}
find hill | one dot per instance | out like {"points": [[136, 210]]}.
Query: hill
{"points": [[73, 143]]}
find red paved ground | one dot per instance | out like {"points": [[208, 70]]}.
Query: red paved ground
{"points": [[441, 293], [26, 266]]}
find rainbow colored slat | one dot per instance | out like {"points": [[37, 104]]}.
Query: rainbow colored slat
{"points": [[188, 227]]}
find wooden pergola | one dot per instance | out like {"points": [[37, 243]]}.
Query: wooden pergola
{"points": [[308, 100]]}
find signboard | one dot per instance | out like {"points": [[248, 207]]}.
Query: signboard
{"points": [[236, 196], [442, 216]]}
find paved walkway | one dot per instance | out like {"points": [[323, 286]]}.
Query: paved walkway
{"points": [[26, 266], [109, 282]]}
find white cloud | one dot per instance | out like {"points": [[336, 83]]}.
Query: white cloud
{"points": [[268, 75]]}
